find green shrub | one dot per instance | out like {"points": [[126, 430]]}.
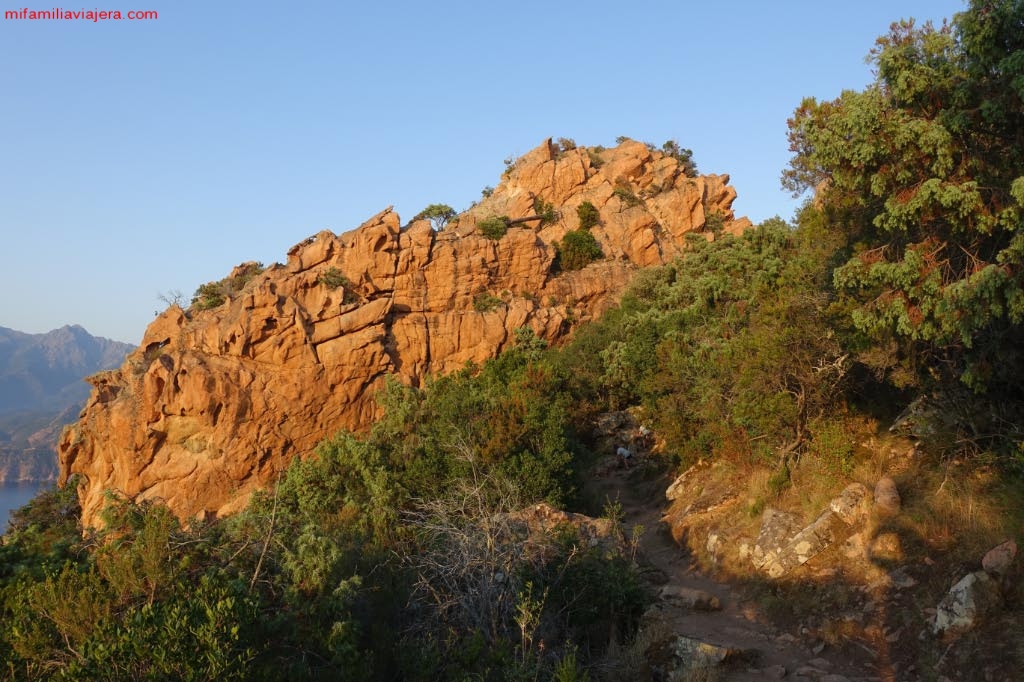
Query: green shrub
{"points": [[714, 223], [486, 192], [494, 227], [565, 144], [486, 302], [626, 195], [588, 214], [595, 157], [578, 248], [683, 156], [545, 210], [215, 294], [208, 296], [332, 278]]}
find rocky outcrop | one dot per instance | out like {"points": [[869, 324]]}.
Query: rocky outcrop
{"points": [[215, 402]]}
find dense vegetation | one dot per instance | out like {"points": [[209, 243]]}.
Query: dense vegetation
{"points": [[398, 555]]}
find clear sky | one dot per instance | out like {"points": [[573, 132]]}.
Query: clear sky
{"points": [[139, 157]]}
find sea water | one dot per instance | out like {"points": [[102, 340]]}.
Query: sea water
{"points": [[16, 495]]}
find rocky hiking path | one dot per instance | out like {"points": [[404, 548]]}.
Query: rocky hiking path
{"points": [[699, 622]]}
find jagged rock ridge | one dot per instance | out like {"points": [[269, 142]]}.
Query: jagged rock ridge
{"points": [[214, 403]]}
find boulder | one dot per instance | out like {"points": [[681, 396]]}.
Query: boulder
{"points": [[887, 497], [966, 603], [997, 561], [852, 504], [781, 548], [695, 652]]}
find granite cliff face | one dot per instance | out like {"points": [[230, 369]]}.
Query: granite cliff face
{"points": [[214, 403]]}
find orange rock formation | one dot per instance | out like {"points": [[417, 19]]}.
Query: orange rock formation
{"points": [[214, 403]]}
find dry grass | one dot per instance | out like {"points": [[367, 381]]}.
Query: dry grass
{"points": [[650, 649], [625, 662], [959, 508]]}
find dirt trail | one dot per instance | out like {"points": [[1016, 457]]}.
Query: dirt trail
{"points": [[737, 624]]}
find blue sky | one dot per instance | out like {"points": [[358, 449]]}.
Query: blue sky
{"points": [[139, 157]]}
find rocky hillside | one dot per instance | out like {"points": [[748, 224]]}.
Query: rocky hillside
{"points": [[219, 397], [42, 388]]}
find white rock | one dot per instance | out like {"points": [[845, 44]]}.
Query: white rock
{"points": [[966, 603], [851, 505]]}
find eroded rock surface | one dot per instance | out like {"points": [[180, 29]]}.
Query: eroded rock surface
{"points": [[215, 403]]}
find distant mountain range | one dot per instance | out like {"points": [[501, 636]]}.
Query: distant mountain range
{"points": [[42, 388]]}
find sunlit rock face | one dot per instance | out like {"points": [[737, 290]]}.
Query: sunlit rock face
{"points": [[214, 403]]}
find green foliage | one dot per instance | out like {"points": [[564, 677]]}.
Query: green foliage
{"points": [[831, 446], [486, 192], [627, 196], [437, 214], [577, 249], [565, 144], [683, 156], [569, 670], [493, 227], [333, 278], [714, 223], [546, 211], [508, 417], [588, 215], [919, 173], [725, 348], [209, 296], [485, 302], [596, 160], [215, 294], [593, 591]]}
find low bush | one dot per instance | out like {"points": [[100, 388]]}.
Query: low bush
{"points": [[627, 196], [577, 249], [215, 294], [332, 278], [486, 302], [494, 227], [588, 214], [545, 210]]}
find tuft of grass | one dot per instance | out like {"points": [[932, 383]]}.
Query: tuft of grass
{"points": [[960, 508], [627, 196]]}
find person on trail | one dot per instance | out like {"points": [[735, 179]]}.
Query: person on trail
{"points": [[644, 437], [625, 456]]}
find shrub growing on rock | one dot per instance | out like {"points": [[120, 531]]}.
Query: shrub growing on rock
{"points": [[588, 214], [577, 249], [494, 227]]}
